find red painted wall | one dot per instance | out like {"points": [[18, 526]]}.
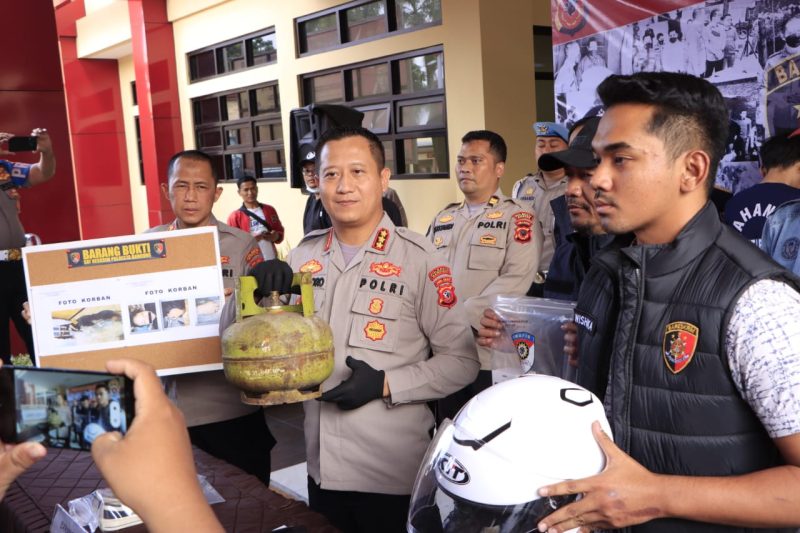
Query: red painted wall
{"points": [[97, 133], [157, 93], [32, 95]]}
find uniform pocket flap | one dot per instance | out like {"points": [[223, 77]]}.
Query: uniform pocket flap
{"points": [[376, 304]]}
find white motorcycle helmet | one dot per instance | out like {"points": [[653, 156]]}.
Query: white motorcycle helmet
{"points": [[483, 471]]}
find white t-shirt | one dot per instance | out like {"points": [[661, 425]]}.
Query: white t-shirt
{"points": [[257, 228], [763, 346]]}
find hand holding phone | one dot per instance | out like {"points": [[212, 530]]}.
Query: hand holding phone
{"points": [[62, 408], [15, 459], [151, 468]]}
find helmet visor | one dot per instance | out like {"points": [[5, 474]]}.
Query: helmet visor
{"points": [[436, 509]]}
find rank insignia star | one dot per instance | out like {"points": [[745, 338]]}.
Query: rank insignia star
{"points": [[381, 239]]}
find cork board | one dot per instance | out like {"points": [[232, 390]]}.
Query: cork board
{"points": [[156, 297]]}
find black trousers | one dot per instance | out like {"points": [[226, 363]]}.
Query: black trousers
{"points": [[12, 294], [714, 66], [244, 442], [449, 406], [360, 512]]}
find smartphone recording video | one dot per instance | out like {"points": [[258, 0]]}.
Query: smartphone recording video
{"points": [[22, 144], [62, 408]]}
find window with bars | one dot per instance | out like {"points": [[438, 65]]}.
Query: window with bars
{"points": [[403, 101], [363, 20], [244, 52], [241, 130]]}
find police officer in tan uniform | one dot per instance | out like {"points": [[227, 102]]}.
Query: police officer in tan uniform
{"points": [[400, 339], [540, 188], [493, 242], [218, 421], [13, 291]]}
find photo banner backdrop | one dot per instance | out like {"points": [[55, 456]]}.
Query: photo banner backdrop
{"points": [[749, 49]]}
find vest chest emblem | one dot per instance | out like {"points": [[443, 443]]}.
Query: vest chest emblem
{"points": [[680, 343]]}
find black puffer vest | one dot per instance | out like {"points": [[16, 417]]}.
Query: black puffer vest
{"points": [[652, 322]]}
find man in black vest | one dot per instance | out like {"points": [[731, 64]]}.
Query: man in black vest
{"points": [[689, 335]]}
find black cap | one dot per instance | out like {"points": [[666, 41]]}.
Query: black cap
{"points": [[307, 154], [579, 154]]}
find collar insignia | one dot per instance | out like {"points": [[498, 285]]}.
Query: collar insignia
{"points": [[381, 239]]}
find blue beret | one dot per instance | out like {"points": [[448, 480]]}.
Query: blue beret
{"points": [[550, 129]]}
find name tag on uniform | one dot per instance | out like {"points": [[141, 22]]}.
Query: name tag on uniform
{"points": [[585, 321]]}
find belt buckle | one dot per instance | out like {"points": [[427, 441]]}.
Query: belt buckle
{"points": [[12, 254]]}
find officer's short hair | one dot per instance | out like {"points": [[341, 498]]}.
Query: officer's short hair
{"points": [[193, 155], [101, 386], [785, 20], [780, 151], [342, 132], [497, 146], [689, 111], [244, 179]]}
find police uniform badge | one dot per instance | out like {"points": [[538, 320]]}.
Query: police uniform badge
{"points": [[523, 342], [790, 248], [522, 226], [679, 345], [375, 306], [312, 267], [375, 330]]}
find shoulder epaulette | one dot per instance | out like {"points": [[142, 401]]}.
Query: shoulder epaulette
{"points": [[315, 234], [415, 238]]}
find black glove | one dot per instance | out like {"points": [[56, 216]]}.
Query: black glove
{"points": [[272, 275], [364, 385]]}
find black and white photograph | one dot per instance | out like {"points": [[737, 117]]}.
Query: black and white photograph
{"points": [[736, 177], [747, 48]]}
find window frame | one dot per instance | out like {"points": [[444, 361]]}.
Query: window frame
{"points": [[393, 101], [250, 123], [218, 53], [343, 40]]}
